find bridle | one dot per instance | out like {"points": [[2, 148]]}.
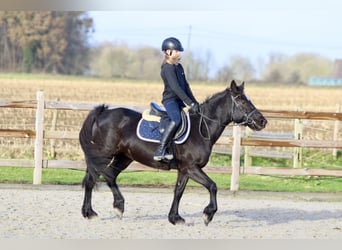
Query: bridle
{"points": [[247, 118]]}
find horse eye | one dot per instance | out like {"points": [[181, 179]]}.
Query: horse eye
{"points": [[243, 101]]}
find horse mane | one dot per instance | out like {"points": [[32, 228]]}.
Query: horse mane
{"points": [[213, 98]]}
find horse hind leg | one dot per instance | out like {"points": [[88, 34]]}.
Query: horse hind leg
{"points": [[89, 181], [110, 174]]}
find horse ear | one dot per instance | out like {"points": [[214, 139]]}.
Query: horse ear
{"points": [[242, 86], [234, 87]]}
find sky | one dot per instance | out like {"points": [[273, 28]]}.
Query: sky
{"points": [[253, 29]]}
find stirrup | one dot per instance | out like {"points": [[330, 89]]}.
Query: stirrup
{"points": [[168, 156], [161, 154], [158, 157]]}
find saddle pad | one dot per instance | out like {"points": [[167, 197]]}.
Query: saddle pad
{"points": [[146, 116], [149, 131]]}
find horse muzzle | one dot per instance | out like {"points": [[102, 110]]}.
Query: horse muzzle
{"points": [[257, 121]]}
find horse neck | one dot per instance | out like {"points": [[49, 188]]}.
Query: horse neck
{"points": [[218, 110]]}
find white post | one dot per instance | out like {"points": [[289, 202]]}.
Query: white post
{"points": [[298, 151], [248, 157], [234, 181], [38, 145]]}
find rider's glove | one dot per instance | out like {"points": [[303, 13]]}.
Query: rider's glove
{"points": [[195, 107]]}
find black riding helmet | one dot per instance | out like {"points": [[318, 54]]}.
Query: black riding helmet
{"points": [[172, 43]]}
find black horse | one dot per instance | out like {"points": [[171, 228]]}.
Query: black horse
{"points": [[109, 141]]}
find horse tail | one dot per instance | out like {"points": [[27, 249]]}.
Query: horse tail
{"points": [[89, 125], [86, 138]]}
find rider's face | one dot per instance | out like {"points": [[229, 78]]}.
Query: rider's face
{"points": [[174, 55]]}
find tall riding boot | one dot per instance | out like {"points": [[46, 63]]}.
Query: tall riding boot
{"points": [[161, 152]]}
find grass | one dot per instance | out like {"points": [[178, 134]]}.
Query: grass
{"points": [[312, 158], [165, 178], [50, 176], [168, 178]]}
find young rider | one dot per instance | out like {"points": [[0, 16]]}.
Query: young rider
{"points": [[176, 94]]}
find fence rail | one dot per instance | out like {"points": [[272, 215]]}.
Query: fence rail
{"points": [[236, 141]]}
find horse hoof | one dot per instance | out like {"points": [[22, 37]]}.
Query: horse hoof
{"points": [[90, 214], [118, 213], [206, 219], [176, 220], [93, 216], [180, 222]]}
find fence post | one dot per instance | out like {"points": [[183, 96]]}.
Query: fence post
{"points": [[53, 128], [336, 128], [38, 145], [248, 157], [235, 178], [298, 151]]}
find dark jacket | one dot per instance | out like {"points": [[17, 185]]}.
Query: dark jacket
{"points": [[176, 86]]}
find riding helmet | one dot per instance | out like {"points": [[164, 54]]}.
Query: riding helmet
{"points": [[172, 43]]}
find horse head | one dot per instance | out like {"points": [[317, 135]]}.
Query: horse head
{"points": [[243, 110]]}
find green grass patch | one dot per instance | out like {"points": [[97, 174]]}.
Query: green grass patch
{"points": [[291, 184], [49, 176], [168, 178], [312, 158]]}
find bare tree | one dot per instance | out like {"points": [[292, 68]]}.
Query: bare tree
{"points": [[224, 74], [118, 60], [242, 68], [297, 68], [197, 66]]}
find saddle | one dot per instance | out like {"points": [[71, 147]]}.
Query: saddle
{"points": [[153, 122], [157, 110]]}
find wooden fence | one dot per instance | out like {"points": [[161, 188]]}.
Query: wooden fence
{"points": [[236, 141]]}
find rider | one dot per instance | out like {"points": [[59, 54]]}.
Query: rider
{"points": [[176, 93]]}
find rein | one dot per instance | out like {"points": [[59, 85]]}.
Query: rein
{"points": [[203, 120]]}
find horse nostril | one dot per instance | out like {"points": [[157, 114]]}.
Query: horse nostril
{"points": [[263, 122]]}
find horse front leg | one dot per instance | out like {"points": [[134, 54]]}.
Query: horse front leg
{"points": [[199, 176], [174, 216]]}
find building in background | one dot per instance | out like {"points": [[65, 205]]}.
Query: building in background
{"points": [[334, 80]]}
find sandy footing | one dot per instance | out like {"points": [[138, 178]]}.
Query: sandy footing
{"points": [[54, 212]]}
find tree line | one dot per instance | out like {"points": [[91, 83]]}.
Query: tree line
{"points": [[58, 42], [44, 41], [121, 61]]}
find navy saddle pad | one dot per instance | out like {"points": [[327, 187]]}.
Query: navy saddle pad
{"points": [[148, 128]]}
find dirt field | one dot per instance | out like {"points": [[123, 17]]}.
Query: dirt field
{"points": [[53, 212], [141, 93]]}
